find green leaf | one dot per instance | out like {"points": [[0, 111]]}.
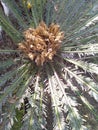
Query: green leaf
{"points": [[8, 75], [9, 29], [12, 87], [16, 11], [8, 51], [6, 64], [89, 67]]}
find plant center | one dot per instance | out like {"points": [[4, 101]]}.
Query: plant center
{"points": [[42, 43]]}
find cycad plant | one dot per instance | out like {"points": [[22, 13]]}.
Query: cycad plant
{"points": [[48, 68]]}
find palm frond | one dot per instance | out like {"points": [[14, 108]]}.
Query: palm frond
{"points": [[64, 38]]}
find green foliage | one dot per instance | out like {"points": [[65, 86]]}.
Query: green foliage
{"points": [[18, 122], [52, 96]]}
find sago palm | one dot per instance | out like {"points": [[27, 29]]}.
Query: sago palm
{"points": [[49, 64]]}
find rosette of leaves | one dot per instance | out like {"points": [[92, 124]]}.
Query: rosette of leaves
{"points": [[49, 71]]}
